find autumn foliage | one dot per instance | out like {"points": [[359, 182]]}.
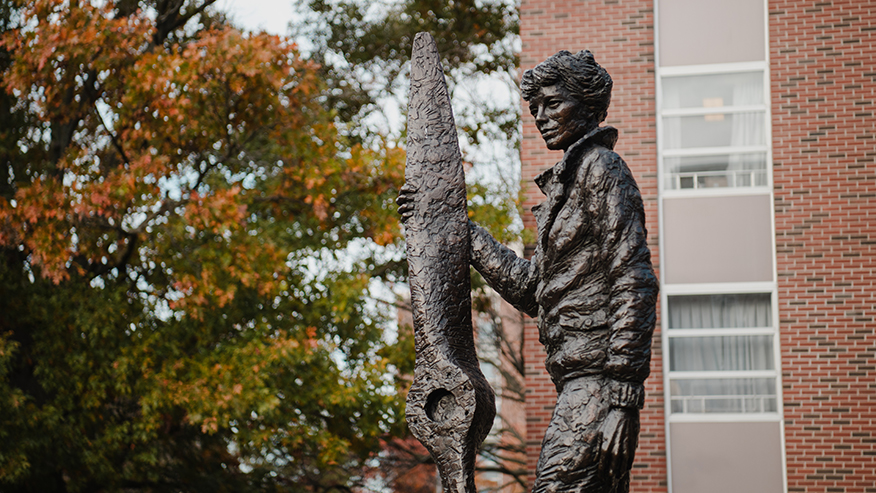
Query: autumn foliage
{"points": [[174, 311]]}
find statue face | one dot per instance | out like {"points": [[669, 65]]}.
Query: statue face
{"points": [[559, 117]]}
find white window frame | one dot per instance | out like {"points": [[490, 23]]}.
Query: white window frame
{"points": [[662, 152], [678, 289], [770, 288]]}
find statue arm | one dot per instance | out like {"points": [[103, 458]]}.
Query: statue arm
{"points": [[512, 277], [633, 285]]}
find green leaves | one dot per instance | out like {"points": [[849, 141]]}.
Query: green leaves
{"points": [[168, 322], [193, 222]]}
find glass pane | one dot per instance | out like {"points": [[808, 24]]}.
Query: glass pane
{"points": [[723, 170], [713, 91], [723, 395], [711, 311], [725, 353], [717, 130]]}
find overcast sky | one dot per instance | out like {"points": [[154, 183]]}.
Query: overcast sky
{"points": [[271, 15]]}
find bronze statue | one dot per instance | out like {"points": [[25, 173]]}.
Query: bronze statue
{"points": [[450, 407], [590, 280]]}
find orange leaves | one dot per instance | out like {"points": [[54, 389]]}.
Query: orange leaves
{"points": [[51, 54], [379, 173], [41, 208], [210, 162], [220, 212], [194, 202], [320, 206], [311, 341], [223, 86], [210, 425]]}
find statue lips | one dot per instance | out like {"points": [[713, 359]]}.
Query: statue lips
{"points": [[548, 133], [551, 136]]}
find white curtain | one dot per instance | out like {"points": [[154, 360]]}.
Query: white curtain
{"points": [[671, 135], [722, 353], [719, 311], [744, 129], [671, 125], [747, 128]]}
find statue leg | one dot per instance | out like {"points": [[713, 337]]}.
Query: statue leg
{"points": [[570, 449]]}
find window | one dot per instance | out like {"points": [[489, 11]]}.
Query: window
{"points": [[722, 376], [721, 357], [714, 128]]}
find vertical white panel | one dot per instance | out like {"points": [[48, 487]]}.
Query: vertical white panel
{"points": [[717, 239], [726, 457], [710, 31]]}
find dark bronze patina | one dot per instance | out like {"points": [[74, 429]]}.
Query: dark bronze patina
{"points": [[589, 282], [450, 407]]}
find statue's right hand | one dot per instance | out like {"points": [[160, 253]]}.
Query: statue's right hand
{"points": [[405, 201], [620, 436]]}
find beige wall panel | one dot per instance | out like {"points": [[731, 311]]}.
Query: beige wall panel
{"points": [[717, 239], [710, 31], [726, 457]]}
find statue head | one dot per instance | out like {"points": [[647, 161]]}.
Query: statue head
{"points": [[569, 96]]}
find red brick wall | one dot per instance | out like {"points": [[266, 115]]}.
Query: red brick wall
{"points": [[621, 36], [823, 71]]}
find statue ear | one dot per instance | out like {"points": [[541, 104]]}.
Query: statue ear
{"points": [[586, 117], [595, 115]]}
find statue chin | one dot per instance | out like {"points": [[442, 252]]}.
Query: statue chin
{"points": [[561, 142], [553, 145]]}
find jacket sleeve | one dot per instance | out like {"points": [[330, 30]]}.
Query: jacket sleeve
{"points": [[512, 277], [619, 223]]}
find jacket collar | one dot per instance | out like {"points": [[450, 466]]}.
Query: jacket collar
{"points": [[599, 136]]}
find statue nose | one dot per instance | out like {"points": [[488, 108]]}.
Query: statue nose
{"points": [[540, 117]]}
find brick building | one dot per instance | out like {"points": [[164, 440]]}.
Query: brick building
{"points": [[749, 127]]}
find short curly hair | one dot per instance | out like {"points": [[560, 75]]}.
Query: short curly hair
{"points": [[579, 74]]}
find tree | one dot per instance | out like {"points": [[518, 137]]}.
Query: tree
{"points": [[363, 48], [500, 343], [187, 245]]}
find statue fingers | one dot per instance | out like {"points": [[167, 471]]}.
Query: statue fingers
{"points": [[405, 201], [611, 449], [406, 191], [406, 209]]}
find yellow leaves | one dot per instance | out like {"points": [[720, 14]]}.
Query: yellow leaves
{"points": [[221, 384]]}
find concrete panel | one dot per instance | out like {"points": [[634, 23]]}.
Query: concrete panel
{"points": [[726, 457], [710, 31], [717, 239]]}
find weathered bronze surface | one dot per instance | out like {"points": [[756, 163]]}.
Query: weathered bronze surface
{"points": [[450, 407], [590, 281]]}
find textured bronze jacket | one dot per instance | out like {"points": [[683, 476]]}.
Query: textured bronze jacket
{"points": [[590, 280]]}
